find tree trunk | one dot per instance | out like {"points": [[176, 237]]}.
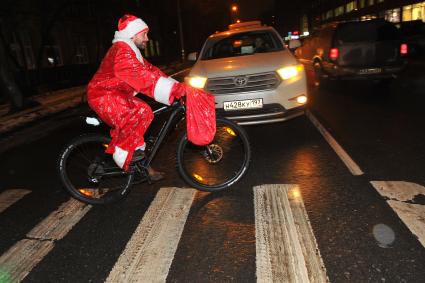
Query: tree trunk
{"points": [[8, 85]]}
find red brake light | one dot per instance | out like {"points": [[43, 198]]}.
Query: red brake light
{"points": [[334, 53], [403, 49]]}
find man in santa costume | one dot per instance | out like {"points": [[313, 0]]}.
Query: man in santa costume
{"points": [[111, 93]]}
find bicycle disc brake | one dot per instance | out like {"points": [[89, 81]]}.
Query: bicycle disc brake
{"points": [[213, 153]]}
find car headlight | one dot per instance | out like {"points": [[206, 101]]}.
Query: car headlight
{"points": [[290, 72], [198, 82]]}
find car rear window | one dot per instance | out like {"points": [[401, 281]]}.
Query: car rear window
{"points": [[245, 43], [366, 32]]}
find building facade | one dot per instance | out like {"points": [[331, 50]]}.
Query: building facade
{"points": [[51, 44], [396, 11]]}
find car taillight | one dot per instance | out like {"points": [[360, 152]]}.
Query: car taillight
{"points": [[334, 53], [404, 49]]}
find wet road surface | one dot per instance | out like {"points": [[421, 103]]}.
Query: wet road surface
{"points": [[359, 236]]}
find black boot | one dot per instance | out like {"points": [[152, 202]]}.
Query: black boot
{"points": [[138, 155], [155, 175]]}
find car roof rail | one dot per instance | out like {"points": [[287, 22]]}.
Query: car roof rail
{"points": [[244, 25]]}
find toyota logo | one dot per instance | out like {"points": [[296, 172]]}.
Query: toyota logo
{"points": [[241, 81]]}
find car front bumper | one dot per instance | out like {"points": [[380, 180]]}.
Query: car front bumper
{"points": [[279, 104], [270, 113]]}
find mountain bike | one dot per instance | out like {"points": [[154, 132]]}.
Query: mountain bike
{"points": [[91, 176]]}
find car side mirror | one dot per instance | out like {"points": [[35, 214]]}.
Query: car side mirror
{"points": [[294, 44], [192, 56]]}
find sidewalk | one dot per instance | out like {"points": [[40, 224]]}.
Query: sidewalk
{"points": [[57, 101]]}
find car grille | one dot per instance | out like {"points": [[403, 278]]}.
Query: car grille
{"points": [[253, 82]]}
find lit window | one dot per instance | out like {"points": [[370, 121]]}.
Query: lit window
{"points": [[152, 47], [407, 13], [418, 11], [351, 6], [339, 11], [367, 17], [393, 15]]}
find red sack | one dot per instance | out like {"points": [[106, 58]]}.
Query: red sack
{"points": [[200, 116]]}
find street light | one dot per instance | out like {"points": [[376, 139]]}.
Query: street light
{"points": [[234, 10]]}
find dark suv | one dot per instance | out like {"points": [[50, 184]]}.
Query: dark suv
{"points": [[354, 50]]}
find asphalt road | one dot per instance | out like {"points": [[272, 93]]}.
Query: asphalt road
{"points": [[380, 129]]}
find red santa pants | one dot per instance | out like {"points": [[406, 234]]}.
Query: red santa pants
{"points": [[129, 118]]}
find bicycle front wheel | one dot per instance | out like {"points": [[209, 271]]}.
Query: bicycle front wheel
{"points": [[218, 165], [91, 175]]}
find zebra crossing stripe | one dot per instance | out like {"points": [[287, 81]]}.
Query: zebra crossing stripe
{"points": [[401, 197], [150, 251], [19, 260], [285, 244], [9, 197], [60, 222]]}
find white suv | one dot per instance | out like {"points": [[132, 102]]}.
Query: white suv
{"points": [[253, 76]]}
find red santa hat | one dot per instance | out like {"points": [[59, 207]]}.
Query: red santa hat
{"points": [[129, 26]]}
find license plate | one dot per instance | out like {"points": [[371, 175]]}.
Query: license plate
{"points": [[243, 104], [370, 71]]}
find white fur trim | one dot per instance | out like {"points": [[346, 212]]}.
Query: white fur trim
{"points": [[170, 78], [133, 28], [130, 43], [163, 90], [142, 147], [119, 156]]}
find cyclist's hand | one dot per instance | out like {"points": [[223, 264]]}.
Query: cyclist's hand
{"points": [[179, 90]]}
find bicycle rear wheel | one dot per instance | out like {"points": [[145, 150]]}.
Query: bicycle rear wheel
{"points": [[218, 165], [89, 174]]}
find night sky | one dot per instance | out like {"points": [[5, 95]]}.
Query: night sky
{"points": [[287, 14], [253, 9]]}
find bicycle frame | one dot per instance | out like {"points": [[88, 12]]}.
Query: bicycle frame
{"points": [[178, 109], [89, 186]]}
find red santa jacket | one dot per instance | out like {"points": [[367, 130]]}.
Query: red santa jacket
{"points": [[124, 71]]}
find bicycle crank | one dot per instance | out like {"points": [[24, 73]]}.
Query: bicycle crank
{"points": [[94, 172]]}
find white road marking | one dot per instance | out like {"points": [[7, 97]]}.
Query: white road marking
{"points": [[412, 214], [286, 247], [9, 197], [343, 155], [19, 260], [150, 251], [60, 222]]}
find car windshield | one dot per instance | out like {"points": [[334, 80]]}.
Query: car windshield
{"points": [[366, 32], [245, 43]]}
